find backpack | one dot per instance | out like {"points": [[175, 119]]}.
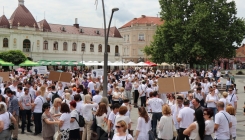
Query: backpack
{"points": [[81, 121], [55, 95]]}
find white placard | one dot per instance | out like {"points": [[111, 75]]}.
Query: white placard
{"points": [[97, 73], [40, 70]]}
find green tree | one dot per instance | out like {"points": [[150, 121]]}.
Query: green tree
{"points": [[14, 56], [196, 32]]}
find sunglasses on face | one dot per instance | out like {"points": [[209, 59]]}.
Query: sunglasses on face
{"points": [[204, 113], [118, 126]]}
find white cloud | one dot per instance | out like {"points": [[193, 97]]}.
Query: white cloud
{"points": [[65, 11]]}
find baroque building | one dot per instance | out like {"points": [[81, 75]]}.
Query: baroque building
{"points": [[45, 41]]}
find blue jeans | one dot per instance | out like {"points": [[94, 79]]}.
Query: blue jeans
{"points": [[214, 109], [155, 117]]}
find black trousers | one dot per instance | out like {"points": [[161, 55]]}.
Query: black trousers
{"points": [[136, 96], [143, 101], [181, 136], [110, 99], [25, 114], [38, 122]]}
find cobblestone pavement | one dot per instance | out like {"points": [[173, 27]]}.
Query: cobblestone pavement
{"points": [[240, 81]]}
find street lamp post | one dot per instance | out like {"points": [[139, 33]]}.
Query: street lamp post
{"points": [[106, 36]]}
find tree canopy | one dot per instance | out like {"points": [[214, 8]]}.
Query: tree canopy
{"points": [[14, 56], [196, 32]]}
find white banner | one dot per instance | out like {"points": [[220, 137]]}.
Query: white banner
{"points": [[97, 73], [39, 70]]}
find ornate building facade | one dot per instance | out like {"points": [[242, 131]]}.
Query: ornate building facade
{"points": [[137, 34], [44, 41]]}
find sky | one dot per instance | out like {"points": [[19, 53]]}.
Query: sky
{"points": [[65, 11]]}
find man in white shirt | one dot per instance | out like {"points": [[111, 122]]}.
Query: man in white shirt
{"points": [[91, 86], [142, 93], [185, 118], [97, 98], [222, 123], [175, 111], [156, 105], [232, 98]]}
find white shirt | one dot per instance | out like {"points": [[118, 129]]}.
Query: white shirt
{"points": [[223, 131], [74, 125], [112, 118], [187, 116], [5, 117], [38, 104], [231, 98], [79, 107], [127, 137], [91, 86], [155, 104], [142, 89], [96, 99], [213, 98], [148, 91], [224, 100], [65, 117], [143, 127], [209, 127], [124, 118], [175, 112], [234, 124], [87, 111], [165, 127]]}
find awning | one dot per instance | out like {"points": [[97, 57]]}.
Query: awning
{"points": [[29, 63], [3, 63]]}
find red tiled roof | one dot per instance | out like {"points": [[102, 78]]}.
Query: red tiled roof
{"points": [[143, 20], [44, 25], [241, 49], [4, 22], [23, 16], [70, 29]]}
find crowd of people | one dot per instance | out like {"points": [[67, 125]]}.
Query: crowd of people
{"points": [[55, 107]]}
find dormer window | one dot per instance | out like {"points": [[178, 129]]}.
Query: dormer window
{"points": [[81, 30], [97, 32], [63, 29]]}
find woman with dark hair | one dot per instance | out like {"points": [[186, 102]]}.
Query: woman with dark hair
{"points": [[197, 129], [64, 121], [2, 101], [101, 120], [74, 127], [209, 123], [48, 122], [143, 126]]}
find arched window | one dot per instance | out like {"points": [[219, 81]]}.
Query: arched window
{"points": [[108, 48], [55, 45], [100, 48], [45, 45], [5, 42], [74, 46], [83, 47], [116, 49], [91, 47], [65, 46]]}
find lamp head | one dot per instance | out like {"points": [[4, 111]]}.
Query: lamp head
{"points": [[115, 9]]}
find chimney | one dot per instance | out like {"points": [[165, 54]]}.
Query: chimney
{"points": [[143, 16], [135, 18], [21, 2], [76, 23]]}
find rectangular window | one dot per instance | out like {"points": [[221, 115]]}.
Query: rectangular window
{"points": [[141, 37]]}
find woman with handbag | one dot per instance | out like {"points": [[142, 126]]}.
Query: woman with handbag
{"points": [[65, 119], [5, 123], [143, 125], [48, 123], [166, 125], [101, 121], [74, 127]]}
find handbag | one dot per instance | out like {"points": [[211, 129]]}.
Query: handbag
{"points": [[57, 135], [151, 135], [11, 125], [104, 126], [175, 131]]}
